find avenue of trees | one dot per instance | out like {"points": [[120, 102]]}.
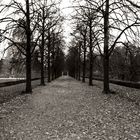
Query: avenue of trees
{"points": [[105, 41], [33, 31]]}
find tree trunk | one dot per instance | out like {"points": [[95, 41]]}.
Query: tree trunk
{"points": [[75, 68], [42, 81], [53, 70], [106, 47], [79, 62], [53, 60], [28, 51], [91, 56], [49, 70], [28, 73], [106, 75], [84, 63]]}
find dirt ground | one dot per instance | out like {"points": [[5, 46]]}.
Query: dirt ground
{"points": [[67, 109]]}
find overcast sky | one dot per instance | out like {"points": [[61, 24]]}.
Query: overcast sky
{"points": [[67, 10]]}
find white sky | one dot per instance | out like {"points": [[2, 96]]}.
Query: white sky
{"points": [[67, 11]]}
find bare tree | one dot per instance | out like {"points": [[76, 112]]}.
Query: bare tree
{"points": [[114, 18], [48, 12], [28, 49], [50, 18], [57, 44], [28, 26], [86, 16]]}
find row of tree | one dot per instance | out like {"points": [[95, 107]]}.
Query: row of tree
{"points": [[99, 27], [34, 26]]}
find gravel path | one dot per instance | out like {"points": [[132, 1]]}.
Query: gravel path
{"points": [[69, 110]]}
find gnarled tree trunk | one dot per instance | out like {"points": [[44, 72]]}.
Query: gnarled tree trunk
{"points": [[42, 81], [91, 56], [106, 49], [28, 50]]}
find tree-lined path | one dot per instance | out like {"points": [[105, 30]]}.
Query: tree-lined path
{"points": [[69, 110]]}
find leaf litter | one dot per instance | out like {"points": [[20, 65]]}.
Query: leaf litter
{"points": [[70, 110]]}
